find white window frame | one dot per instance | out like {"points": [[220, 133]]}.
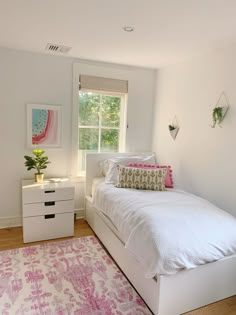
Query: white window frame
{"points": [[123, 117], [106, 71], [123, 122]]}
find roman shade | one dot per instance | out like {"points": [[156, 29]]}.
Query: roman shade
{"points": [[88, 82]]}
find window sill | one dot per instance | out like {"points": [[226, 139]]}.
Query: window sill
{"points": [[78, 179]]}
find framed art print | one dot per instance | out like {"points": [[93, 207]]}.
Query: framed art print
{"points": [[44, 125]]}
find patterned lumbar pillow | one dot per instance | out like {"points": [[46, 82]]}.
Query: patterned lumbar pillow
{"points": [[168, 180], [149, 179]]}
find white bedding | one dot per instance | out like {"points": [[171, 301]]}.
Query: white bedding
{"points": [[168, 231], [97, 181]]}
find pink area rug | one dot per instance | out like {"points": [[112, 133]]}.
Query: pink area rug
{"points": [[73, 277]]}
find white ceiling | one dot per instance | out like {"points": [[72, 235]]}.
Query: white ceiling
{"points": [[166, 31]]}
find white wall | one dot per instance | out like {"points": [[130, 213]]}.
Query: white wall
{"points": [[47, 79], [203, 158]]}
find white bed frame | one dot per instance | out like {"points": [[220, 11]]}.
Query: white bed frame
{"points": [[165, 295]]}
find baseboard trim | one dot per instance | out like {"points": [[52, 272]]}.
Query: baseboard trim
{"points": [[7, 222], [79, 213]]}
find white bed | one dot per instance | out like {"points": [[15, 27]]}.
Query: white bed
{"points": [[164, 294]]}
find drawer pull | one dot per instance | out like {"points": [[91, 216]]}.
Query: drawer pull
{"points": [[49, 191], [49, 203], [49, 216]]}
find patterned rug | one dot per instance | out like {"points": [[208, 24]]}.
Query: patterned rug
{"points": [[72, 277]]}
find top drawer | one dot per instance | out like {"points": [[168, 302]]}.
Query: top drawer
{"points": [[50, 192], [48, 195]]}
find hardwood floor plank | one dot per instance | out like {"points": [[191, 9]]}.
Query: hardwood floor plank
{"points": [[224, 307], [13, 238]]}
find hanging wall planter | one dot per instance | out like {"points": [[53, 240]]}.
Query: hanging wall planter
{"points": [[174, 128], [219, 111]]}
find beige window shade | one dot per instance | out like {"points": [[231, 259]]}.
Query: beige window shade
{"points": [[103, 84]]}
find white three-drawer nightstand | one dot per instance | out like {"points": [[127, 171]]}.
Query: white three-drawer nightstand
{"points": [[48, 210]]}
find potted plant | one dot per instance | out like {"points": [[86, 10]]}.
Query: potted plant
{"points": [[217, 116], [173, 131], [171, 127], [38, 162]]}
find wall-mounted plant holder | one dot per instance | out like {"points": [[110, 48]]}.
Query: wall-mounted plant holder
{"points": [[174, 128], [219, 111]]}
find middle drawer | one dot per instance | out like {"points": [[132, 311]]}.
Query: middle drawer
{"points": [[49, 207]]}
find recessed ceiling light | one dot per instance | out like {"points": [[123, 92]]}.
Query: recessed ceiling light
{"points": [[128, 28]]}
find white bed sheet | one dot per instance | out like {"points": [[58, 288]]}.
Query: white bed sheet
{"points": [[96, 182], [168, 231]]}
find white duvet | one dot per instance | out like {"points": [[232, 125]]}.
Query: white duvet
{"points": [[168, 231]]}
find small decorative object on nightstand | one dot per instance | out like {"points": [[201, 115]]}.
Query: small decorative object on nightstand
{"points": [[38, 162], [48, 210]]}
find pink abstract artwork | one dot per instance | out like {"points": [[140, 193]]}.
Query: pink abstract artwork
{"points": [[44, 125]]}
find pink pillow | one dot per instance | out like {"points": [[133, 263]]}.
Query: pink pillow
{"points": [[168, 180]]}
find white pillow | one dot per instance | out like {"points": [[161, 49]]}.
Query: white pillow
{"points": [[104, 166], [109, 166]]}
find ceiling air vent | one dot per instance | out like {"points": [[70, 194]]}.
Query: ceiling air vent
{"points": [[58, 48]]}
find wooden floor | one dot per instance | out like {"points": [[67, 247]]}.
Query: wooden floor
{"points": [[12, 238]]}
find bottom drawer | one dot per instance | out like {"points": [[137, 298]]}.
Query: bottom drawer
{"points": [[47, 227]]}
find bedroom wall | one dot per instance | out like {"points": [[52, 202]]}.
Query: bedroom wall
{"points": [[47, 79], [203, 158]]}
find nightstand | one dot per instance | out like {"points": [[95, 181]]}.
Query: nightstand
{"points": [[48, 210]]}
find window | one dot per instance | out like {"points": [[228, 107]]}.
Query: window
{"points": [[101, 123]]}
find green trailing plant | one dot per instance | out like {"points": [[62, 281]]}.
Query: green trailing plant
{"points": [[217, 116], [38, 162], [171, 127]]}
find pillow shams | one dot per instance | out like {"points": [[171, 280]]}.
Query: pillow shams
{"points": [[139, 178], [109, 167], [168, 179]]}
